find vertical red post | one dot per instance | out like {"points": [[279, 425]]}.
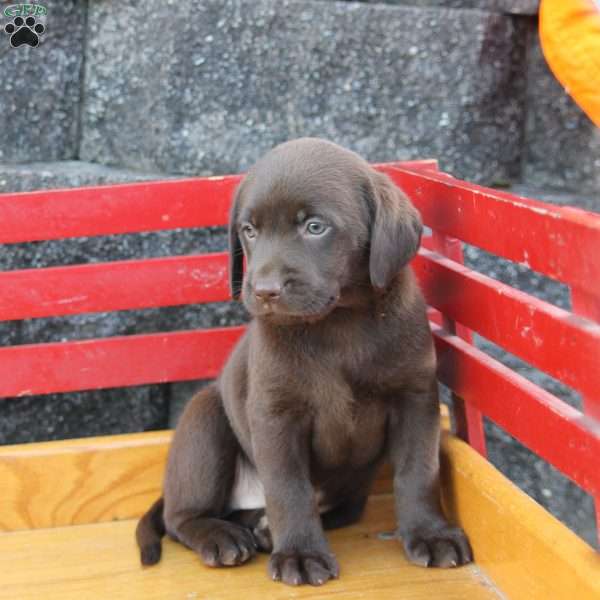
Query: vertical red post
{"points": [[587, 304], [469, 420]]}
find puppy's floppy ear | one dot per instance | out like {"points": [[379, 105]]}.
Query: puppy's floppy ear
{"points": [[236, 252], [396, 229]]}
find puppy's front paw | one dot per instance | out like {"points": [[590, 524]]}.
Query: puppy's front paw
{"points": [[440, 547], [226, 545], [296, 568]]}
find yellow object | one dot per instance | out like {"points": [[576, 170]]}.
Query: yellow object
{"points": [[60, 500], [570, 37], [100, 562], [74, 482]]}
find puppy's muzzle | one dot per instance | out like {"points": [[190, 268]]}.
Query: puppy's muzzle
{"points": [[267, 290]]}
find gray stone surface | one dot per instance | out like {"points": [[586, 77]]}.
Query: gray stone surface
{"points": [[180, 394], [562, 147], [518, 276], [68, 173], [231, 79], [40, 89], [82, 414], [106, 411], [561, 197], [515, 7]]}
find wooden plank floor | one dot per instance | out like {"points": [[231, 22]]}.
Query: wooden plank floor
{"points": [[100, 561]]}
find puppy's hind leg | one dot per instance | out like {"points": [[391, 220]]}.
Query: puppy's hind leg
{"points": [[198, 482], [256, 521]]}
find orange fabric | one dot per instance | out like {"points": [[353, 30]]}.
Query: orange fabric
{"points": [[570, 37]]}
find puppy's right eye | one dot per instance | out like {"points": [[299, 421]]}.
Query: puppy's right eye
{"points": [[249, 231]]}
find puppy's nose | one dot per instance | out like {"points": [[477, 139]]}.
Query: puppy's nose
{"points": [[267, 290]]}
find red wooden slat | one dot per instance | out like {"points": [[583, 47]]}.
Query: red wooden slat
{"points": [[561, 242], [125, 208], [551, 428], [547, 337], [588, 305], [535, 417], [114, 362], [550, 338], [468, 419], [110, 286]]}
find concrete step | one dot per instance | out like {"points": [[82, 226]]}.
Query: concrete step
{"points": [[515, 7], [30, 176], [41, 87], [229, 80], [561, 145], [582, 198]]}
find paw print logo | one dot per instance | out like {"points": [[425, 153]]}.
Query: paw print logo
{"points": [[24, 31]]}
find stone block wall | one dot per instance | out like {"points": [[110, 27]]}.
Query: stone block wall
{"points": [[516, 7], [40, 89], [235, 78], [205, 87], [562, 149]]}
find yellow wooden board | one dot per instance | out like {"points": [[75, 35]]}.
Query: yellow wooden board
{"points": [[527, 552], [81, 481], [524, 549], [101, 562], [91, 480]]}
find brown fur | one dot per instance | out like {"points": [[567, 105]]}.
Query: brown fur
{"points": [[335, 372]]}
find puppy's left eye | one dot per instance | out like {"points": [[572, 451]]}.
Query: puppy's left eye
{"points": [[249, 231], [314, 227]]}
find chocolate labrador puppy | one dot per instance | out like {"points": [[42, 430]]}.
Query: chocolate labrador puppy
{"points": [[335, 373]]}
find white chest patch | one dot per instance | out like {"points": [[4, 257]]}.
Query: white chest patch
{"points": [[247, 492]]}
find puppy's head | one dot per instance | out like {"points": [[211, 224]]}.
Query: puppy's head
{"points": [[315, 223]]}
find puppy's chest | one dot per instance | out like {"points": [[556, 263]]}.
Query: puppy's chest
{"points": [[369, 358], [348, 432]]}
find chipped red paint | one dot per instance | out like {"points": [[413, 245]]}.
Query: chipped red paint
{"points": [[151, 282], [114, 362]]}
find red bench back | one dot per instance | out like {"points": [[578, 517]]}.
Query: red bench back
{"points": [[560, 242]]}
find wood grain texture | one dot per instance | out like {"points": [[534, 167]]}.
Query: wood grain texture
{"points": [[80, 481], [516, 542], [524, 550], [101, 561], [92, 480]]}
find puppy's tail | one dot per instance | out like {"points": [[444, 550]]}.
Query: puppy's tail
{"points": [[149, 533]]}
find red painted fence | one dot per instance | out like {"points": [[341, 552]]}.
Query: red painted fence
{"points": [[560, 242]]}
